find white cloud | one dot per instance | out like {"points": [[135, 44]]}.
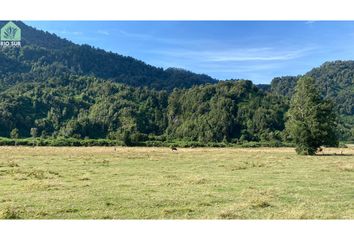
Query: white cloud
{"points": [[165, 40], [68, 33], [236, 55], [103, 32]]}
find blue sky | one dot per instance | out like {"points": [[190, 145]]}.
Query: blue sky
{"points": [[254, 50]]}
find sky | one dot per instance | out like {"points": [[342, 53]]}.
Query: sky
{"points": [[253, 50]]}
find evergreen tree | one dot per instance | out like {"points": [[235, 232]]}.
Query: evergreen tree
{"points": [[311, 120]]}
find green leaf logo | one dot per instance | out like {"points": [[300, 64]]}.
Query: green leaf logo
{"points": [[10, 33]]}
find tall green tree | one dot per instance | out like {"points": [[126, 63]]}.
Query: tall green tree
{"points": [[311, 120]]}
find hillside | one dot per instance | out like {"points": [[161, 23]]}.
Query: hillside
{"points": [[87, 107], [228, 111], [43, 51], [51, 87], [335, 80]]}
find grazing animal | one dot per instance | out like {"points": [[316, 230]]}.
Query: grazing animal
{"points": [[174, 149], [320, 150]]}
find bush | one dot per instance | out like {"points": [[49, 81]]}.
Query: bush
{"points": [[61, 141]]}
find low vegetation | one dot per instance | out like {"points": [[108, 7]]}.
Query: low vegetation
{"points": [[60, 142], [190, 183]]}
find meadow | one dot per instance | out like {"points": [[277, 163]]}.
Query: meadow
{"points": [[192, 183]]}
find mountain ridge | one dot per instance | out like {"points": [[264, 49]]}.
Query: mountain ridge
{"points": [[334, 80], [41, 48]]}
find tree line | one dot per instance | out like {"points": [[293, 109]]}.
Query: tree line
{"points": [[234, 111]]}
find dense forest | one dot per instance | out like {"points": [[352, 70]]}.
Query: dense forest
{"points": [[43, 55], [51, 88], [335, 81]]}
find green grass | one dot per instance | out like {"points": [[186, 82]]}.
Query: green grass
{"points": [[156, 183]]}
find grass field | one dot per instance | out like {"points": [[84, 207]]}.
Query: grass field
{"points": [[156, 183]]}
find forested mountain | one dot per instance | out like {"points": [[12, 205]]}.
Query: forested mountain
{"points": [[284, 86], [42, 51], [228, 111], [335, 81], [89, 107], [82, 107], [51, 87]]}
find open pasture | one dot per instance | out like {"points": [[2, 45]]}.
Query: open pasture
{"points": [[156, 183]]}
